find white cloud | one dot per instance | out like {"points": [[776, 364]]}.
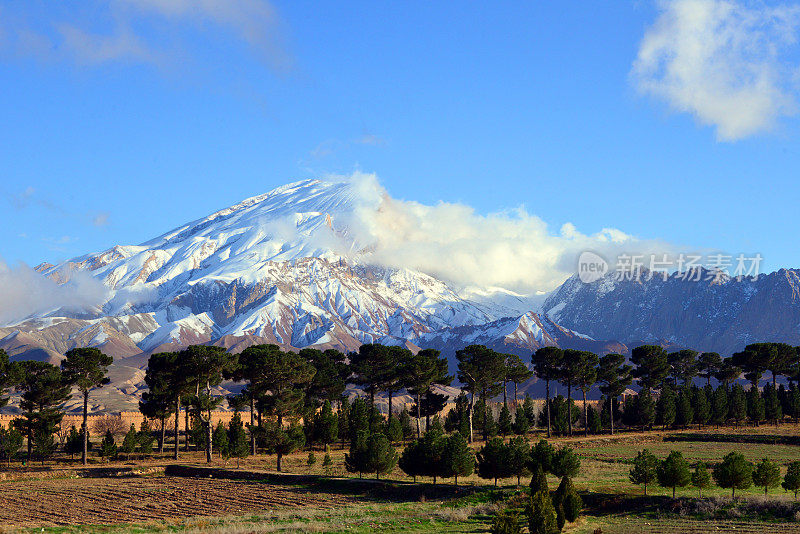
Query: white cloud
{"points": [[329, 147], [145, 31], [94, 49], [512, 249], [721, 61], [25, 292], [254, 21], [370, 139], [101, 219]]}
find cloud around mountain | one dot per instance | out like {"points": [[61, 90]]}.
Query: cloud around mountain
{"points": [[510, 248], [353, 217], [24, 292]]}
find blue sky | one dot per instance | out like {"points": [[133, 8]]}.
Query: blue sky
{"points": [[125, 118]]}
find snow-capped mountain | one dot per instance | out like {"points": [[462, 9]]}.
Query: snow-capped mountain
{"points": [[293, 267], [285, 267], [700, 310]]}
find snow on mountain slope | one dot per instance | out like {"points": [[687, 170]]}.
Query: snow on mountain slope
{"points": [[721, 315], [283, 267]]}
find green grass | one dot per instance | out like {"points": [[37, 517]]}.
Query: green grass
{"points": [[405, 517], [614, 504]]}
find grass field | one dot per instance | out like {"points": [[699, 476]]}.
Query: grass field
{"points": [[149, 495]]}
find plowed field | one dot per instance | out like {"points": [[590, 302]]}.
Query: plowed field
{"points": [[138, 499]]}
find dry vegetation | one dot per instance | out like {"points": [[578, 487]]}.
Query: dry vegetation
{"points": [[138, 495]]}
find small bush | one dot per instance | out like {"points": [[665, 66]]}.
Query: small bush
{"points": [[506, 522]]}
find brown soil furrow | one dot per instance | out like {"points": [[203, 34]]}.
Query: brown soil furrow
{"points": [[132, 499]]}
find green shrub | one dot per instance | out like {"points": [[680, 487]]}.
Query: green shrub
{"points": [[506, 522]]}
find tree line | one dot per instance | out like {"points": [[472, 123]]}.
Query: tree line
{"points": [[733, 472], [283, 388]]}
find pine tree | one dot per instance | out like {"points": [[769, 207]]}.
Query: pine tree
{"points": [[521, 423], [567, 500], [504, 423], [327, 462], [9, 377], [326, 425], [221, 441], [518, 457], [794, 401], [432, 404], [44, 444], [358, 419], [108, 449], [422, 371], [701, 478], [86, 368], [330, 376], [645, 408], [755, 406], [487, 422], [145, 438], [167, 385], [644, 469], [10, 443], [720, 405], [356, 460], [530, 410], [566, 463], [684, 413], [673, 472], [561, 420], [595, 422], [709, 364], [614, 376], [541, 514], [493, 460], [772, 405], [374, 367], [457, 458], [738, 404], [683, 366], [129, 442], [702, 409], [539, 480], [516, 373], [665, 407], [791, 482], [44, 389], [457, 418], [585, 377], [206, 365], [344, 420], [412, 460], [542, 455], [237, 439], [734, 472], [394, 430], [74, 443], [652, 365], [576, 369], [430, 452], [282, 441], [766, 475], [381, 456], [282, 380], [311, 460], [405, 424], [546, 364]]}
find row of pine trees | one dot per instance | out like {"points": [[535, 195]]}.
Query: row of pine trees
{"points": [[282, 388]]}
